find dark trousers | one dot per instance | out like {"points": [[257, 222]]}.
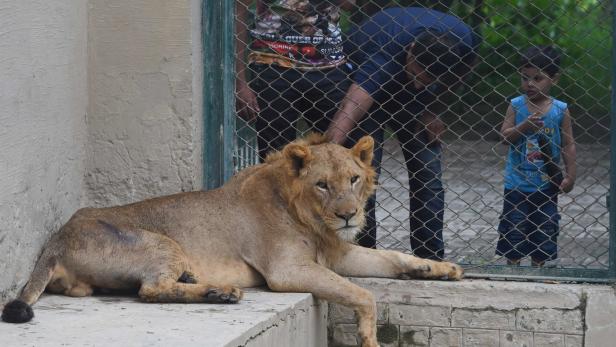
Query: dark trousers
{"points": [[423, 163], [529, 225], [286, 95]]}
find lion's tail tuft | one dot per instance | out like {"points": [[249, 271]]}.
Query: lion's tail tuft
{"points": [[20, 310], [17, 311]]}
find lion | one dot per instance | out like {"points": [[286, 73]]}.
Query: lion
{"points": [[285, 223]]}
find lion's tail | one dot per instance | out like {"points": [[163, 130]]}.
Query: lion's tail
{"points": [[20, 310]]}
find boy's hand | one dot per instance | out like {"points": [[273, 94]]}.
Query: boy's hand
{"points": [[567, 185], [533, 123]]}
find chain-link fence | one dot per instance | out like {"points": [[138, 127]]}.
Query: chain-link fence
{"points": [[404, 70]]}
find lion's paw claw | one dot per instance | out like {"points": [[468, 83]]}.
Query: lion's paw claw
{"points": [[455, 273], [220, 296], [426, 268]]}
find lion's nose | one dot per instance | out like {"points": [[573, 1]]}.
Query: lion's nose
{"points": [[346, 216]]}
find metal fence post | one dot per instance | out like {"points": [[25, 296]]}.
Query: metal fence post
{"points": [[612, 197], [218, 98]]}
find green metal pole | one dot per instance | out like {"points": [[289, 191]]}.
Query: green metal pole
{"points": [[218, 91], [612, 197]]}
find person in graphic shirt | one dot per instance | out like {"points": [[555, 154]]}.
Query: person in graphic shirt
{"points": [[298, 66], [538, 129], [406, 58]]}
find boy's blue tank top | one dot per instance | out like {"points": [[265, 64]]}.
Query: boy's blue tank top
{"points": [[524, 169]]}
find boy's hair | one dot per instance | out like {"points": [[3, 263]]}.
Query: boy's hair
{"points": [[439, 54], [544, 58]]}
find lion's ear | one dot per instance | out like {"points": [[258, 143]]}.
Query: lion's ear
{"points": [[364, 149], [297, 157]]}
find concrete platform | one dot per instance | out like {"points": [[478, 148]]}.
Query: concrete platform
{"points": [[261, 319]]}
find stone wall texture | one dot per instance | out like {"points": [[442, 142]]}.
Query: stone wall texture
{"points": [[482, 313]]}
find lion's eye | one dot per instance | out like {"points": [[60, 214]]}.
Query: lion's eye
{"points": [[322, 185], [354, 179]]}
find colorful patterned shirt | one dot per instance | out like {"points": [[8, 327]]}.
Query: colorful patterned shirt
{"points": [[301, 34]]}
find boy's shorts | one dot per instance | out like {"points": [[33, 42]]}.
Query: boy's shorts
{"points": [[529, 225]]}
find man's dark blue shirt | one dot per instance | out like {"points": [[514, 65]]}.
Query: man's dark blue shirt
{"points": [[378, 50]]}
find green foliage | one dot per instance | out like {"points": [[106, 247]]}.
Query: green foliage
{"points": [[580, 29]]}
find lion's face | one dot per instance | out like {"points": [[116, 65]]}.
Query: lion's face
{"points": [[331, 184]]}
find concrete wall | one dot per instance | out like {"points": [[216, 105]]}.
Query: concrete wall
{"points": [[144, 120], [43, 105], [101, 105], [483, 313]]}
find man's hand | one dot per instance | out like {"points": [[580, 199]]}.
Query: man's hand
{"points": [[246, 102], [336, 135], [567, 185], [433, 125], [353, 108], [435, 128]]}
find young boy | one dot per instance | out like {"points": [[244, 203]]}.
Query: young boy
{"points": [[538, 129]]}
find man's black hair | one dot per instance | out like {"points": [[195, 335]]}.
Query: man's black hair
{"points": [[439, 54], [544, 58]]}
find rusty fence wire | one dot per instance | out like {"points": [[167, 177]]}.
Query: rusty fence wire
{"points": [[297, 91]]}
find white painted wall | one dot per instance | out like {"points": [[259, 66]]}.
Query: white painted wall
{"points": [[100, 104], [144, 121], [43, 104]]}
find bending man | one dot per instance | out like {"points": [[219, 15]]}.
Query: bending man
{"points": [[406, 58]]}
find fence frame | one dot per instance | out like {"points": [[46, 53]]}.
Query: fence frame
{"points": [[611, 203], [218, 91], [219, 125]]}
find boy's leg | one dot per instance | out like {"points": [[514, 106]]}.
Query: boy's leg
{"points": [[276, 93], [371, 125], [544, 221], [512, 243], [426, 191]]}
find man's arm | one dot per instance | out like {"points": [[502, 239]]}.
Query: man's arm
{"points": [[355, 105], [246, 100]]}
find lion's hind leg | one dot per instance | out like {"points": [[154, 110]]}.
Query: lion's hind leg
{"points": [[170, 279], [173, 282], [135, 258]]}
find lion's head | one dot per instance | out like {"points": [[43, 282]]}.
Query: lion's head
{"points": [[327, 185]]}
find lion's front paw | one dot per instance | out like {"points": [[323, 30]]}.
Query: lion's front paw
{"points": [[456, 272]]}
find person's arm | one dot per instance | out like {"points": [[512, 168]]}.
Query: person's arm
{"points": [[512, 133], [568, 153], [355, 105], [246, 100]]}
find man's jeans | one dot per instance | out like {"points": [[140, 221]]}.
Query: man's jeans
{"points": [[423, 162]]}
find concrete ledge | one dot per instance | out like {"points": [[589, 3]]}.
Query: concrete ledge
{"points": [[261, 319]]}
